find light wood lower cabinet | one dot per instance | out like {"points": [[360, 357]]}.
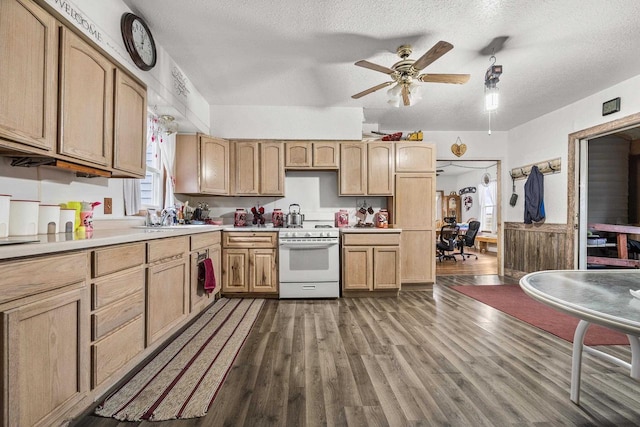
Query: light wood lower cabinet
{"points": [[414, 212], [167, 286], [249, 262], [44, 338], [371, 261], [117, 308], [204, 245]]}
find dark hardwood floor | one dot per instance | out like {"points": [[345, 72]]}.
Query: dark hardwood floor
{"points": [[428, 357]]}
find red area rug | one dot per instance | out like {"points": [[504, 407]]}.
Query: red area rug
{"points": [[512, 300]]}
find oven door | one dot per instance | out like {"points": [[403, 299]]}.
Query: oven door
{"points": [[309, 262]]}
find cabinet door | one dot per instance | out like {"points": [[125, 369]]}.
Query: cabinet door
{"points": [[46, 369], [247, 167], [298, 155], [130, 127], [214, 166], [28, 74], [414, 201], [357, 268], [380, 169], [235, 270], [272, 168], [86, 91], [326, 155], [415, 157], [167, 298], [418, 256], [353, 169], [263, 273], [386, 267], [199, 298]]}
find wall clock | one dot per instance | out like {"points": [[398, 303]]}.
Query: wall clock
{"points": [[138, 41]]}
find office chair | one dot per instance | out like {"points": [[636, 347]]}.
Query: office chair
{"points": [[469, 239], [448, 237]]}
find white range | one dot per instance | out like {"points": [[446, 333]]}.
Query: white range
{"points": [[309, 262]]}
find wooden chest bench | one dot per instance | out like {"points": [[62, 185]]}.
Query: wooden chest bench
{"points": [[483, 242]]}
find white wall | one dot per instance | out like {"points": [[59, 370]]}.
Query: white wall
{"points": [[192, 111], [547, 137], [271, 122], [315, 191]]}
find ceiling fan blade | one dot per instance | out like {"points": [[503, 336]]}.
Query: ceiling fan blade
{"points": [[432, 54], [405, 95], [374, 67], [458, 79], [371, 90]]}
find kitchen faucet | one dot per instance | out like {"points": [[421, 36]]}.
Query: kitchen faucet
{"points": [[168, 214]]}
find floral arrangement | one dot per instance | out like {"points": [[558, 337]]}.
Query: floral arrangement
{"points": [[258, 215]]}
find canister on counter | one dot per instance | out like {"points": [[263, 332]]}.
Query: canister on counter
{"points": [[342, 218], [240, 218], [382, 219], [277, 218]]}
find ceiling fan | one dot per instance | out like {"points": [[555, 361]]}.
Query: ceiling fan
{"points": [[404, 72]]}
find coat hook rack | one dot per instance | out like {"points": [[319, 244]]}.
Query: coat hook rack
{"points": [[547, 167]]}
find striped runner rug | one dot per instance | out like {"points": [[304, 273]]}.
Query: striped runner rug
{"points": [[183, 380]]}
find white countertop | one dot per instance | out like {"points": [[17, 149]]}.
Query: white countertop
{"points": [[369, 230], [61, 242]]}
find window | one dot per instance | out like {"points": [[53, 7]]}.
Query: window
{"points": [[151, 185], [488, 207]]}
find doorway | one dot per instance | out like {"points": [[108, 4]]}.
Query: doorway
{"points": [[577, 195], [608, 183], [469, 190]]}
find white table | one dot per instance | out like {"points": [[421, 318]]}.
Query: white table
{"points": [[594, 296]]}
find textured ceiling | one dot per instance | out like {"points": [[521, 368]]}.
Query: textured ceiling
{"points": [[301, 53]]}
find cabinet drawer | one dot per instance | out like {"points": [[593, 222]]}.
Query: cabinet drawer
{"points": [[166, 248], [202, 240], [371, 239], [115, 315], [116, 258], [115, 350], [116, 287], [31, 276], [244, 239]]}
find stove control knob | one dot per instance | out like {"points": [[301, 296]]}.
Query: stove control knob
{"points": [[294, 234], [307, 234]]}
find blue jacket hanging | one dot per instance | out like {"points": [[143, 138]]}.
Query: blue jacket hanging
{"points": [[534, 197]]}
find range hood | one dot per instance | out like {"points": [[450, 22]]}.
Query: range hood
{"points": [[80, 170]]}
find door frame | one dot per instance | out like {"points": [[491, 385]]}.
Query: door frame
{"points": [[573, 178]]}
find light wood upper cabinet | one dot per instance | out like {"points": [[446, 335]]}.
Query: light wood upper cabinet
{"points": [[353, 168], [258, 168], [202, 165], [246, 174], [326, 155], [130, 119], [271, 168], [86, 92], [366, 169], [380, 168], [298, 154], [312, 154], [28, 74], [415, 157]]}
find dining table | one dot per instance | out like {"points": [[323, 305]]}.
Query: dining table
{"points": [[602, 297]]}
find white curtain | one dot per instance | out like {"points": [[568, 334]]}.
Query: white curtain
{"points": [[487, 197], [132, 196], [167, 145]]}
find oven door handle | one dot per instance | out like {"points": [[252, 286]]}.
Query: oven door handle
{"points": [[307, 245]]}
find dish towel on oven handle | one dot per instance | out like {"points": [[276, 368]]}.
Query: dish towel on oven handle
{"points": [[208, 275]]}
